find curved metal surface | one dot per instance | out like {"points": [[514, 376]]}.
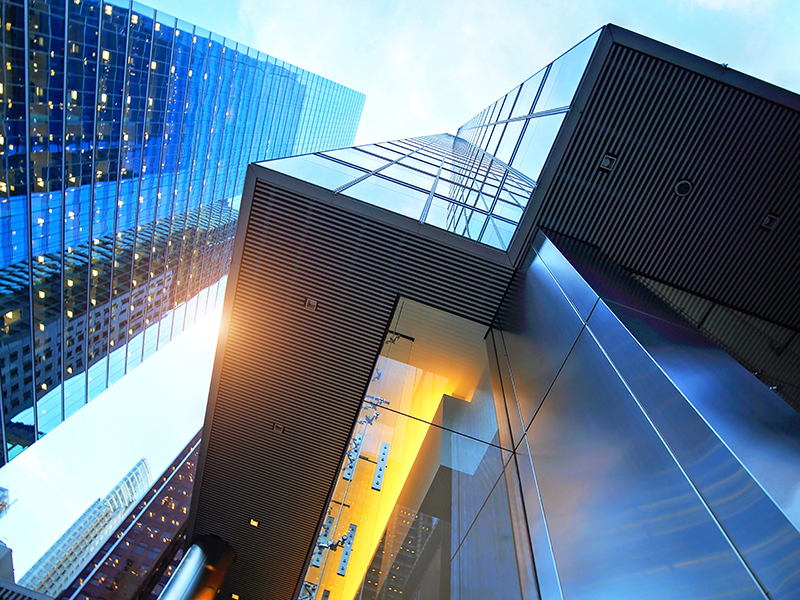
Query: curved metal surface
{"points": [[201, 572]]}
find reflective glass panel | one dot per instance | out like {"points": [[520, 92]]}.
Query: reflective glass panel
{"points": [[537, 140], [565, 75], [317, 170], [623, 519], [425, 491], [389, 195]]}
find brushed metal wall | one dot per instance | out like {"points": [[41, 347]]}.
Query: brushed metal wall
{"points": [[652, 464]]}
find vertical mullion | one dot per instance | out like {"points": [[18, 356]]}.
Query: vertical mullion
{"points": [[29, 217], [137, 204], [63, 223], [115, 233]]}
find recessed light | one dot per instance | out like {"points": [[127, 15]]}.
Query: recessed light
{"points": [[607, 163], [253, 522], [683, 187], [235, 596]]}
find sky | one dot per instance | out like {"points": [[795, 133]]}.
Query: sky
{"points": [[152, 412], [429, 66], [426, 67]]}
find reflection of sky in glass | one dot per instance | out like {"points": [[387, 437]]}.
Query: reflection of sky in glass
{"points": [[476, 184]]}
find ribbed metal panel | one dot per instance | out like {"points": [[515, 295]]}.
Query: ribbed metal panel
{"points": [[292, 379], [741, 152]]}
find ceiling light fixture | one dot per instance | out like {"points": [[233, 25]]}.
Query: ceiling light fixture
{"points": [[770, 222], [683, 188], [607, 163]]}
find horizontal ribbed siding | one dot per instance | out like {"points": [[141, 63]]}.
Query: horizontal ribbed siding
{"points": [[306, 371]]}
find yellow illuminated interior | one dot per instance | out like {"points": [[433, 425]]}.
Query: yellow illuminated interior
{"points": [[446, 357]]}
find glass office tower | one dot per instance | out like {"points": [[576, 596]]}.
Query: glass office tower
{"points": [[476, 184], [125, 138]]}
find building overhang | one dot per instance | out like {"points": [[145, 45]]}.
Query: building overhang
{"points": [[314, 282]]}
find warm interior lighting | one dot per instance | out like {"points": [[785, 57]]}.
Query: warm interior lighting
{"points": [[253, 522], [416, 377]]}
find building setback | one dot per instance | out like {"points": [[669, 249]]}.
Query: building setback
{"points": [[67, 556], [488, 365], [123, 148]]}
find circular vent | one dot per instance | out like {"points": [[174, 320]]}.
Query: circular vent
{"points": [[683, 187]]}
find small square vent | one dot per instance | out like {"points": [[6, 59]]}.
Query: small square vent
{"points": [[608, 162], [770, 222]]}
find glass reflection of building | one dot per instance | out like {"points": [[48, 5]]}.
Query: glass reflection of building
{"points": [[487, 402], [67, 556], [125, 138], [135, 560]]}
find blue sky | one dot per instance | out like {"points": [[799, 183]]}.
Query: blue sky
{"points": [[427, 66]]}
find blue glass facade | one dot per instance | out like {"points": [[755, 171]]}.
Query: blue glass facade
{"points": [[126, 134]]}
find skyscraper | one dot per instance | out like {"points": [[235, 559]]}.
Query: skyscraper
{"points": [[135, 556], [58, 566], [484, 365], [125, 138]]}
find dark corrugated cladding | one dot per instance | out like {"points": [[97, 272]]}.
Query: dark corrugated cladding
{"points": [[305, 371], [665, 124]]}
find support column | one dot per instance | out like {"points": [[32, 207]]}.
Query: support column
{"points": [[200, 574]]}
